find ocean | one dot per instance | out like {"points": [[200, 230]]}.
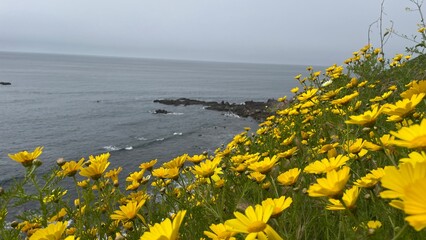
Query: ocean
{"points": [[76, 106]]}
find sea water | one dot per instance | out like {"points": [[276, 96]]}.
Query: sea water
{"points": [[76, 106]]}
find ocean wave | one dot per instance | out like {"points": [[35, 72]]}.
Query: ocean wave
{"points": [[231, 115], [159, 139], [128, 148], [141, 138], [177, 134], [111, 148], [174, 113]]}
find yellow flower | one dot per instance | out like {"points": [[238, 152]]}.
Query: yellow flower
{"points": [[330, 94], [371, 179], [344, 100], [382, 97], [53, 231], [289, 177], [416, 87], [113, 174], [148, 165], [70, 168], [219, 232], [294, 90], [176, 162], [207, 168], [326, 165], [166, 230], [368, 118], [97, 167], [171, 173], [355, 147], [398, 180], [414, 157], [413, 136], [349, 199], [374, 224], [330, 186], [136, 176], [279, 204], [197, 158], [415, 204], [257, 176], [254, 223], [402, 108], [26, 158], [288, 140], [264, 166], [59, 216], [307, 95], [128, 211]]}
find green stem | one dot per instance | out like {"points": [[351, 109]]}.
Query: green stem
{"points": [[275, 187], [400, 232], [78, 221], [40, 200]]}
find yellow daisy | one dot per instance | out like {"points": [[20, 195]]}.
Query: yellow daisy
{"points": [[397, 180], [307, 95], [148, 165], [97, 167], [279, 204], [53, 231], [128, 211], [414, 157], [26, 158], [416, 87], [332, 185], [219, 232], [207, 168], [413, 136], [289, 177], [166, 230], [326, 165], [264, 166], [402, 108], [70, 168], [349, 199], [345, 100], [415, 204], [368, 118], [176, 162], [254, 223], [371, 179]]}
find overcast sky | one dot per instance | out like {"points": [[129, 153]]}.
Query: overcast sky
{"points": [[306, 32]]}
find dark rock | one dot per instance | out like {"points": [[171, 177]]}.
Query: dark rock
{"points": [[257, 110], [160, 111], [5, 83]]}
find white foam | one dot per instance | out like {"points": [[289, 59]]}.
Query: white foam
{"points": [[231, 115], [141, 138], [111, 148], [159, 139], [128, 148], [177, 134]]}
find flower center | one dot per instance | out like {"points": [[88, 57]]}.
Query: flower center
{"points": [[257, 226]]}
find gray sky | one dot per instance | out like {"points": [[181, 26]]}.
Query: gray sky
{"points": [[274, 31]]}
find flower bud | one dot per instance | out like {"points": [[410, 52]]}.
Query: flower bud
{"points": [[37, 163], [60, 162]]}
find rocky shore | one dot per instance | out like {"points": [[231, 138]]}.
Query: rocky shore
{"points": [[257, 110]]}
